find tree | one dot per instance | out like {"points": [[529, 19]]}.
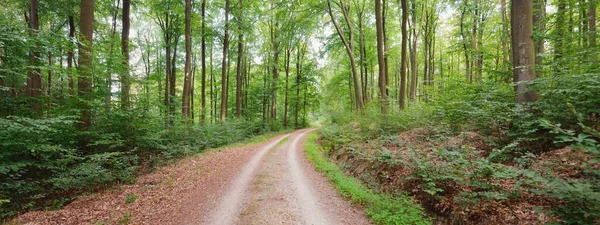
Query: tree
{"points": [[349, 46], [381, 58], [84, 83], [203, 60], [188, 62], [224, 63], [592, 22], [404, 53], [523, 49], [34, 77], [125, 80], [240, 56]]}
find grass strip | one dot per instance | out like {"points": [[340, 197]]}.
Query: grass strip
{"points": [[381, 208]]}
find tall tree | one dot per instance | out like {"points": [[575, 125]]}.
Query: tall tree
{"points": [[125, 80], [224, 63], [349, 46], [203, 59], [404, 54], [185, 109], [539, 24], [523, 49], [34, 76], [381, 57], [240, 56], [71, 55], [592, 22], [287, 75], [84, 83]]}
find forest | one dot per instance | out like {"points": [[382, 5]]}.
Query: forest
{"points": [[447, 111]]}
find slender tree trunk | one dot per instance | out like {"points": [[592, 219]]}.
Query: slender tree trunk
{"points": [[299, 58], [125, 81], [84, 83], [504, 34], [381, 57], [362, 48], [287, 75], [539, 24], [240, 56], [239, 87], [49, 78], [413, 54], [592, 22], [71, 56], [404, 54], [203, 62], [110, 62], [348, 45], [187, 83], [34, 76], [523, 49], [224, 64], [213, 99], [386, 47]]}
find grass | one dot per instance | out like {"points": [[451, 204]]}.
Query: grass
{"points": [[130, 198], [381, 208]]}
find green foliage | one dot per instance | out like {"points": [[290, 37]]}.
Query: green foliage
{"points": [[41, 163], [382, 208]]}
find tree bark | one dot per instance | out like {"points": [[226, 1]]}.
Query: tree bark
{"points": [[84, 83], [348, 45], [203, 62], [187, 83], [34, 76], [287, 75], [404, 54], [381, 57], [592, 22], [125, 81], [503, 35], [71, 56], [240, 56], [539, 24], [523, 49], [223, 114]]}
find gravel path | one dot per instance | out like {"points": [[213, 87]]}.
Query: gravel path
{"points": [[267, 183]]}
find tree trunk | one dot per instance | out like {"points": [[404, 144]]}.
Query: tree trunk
{"points": [[592, 22], [224, 64], [404, 54], [203, 58], [348, 45], [84, 83], [504, 34], [287, 75], [523, 49], [71, 55], [299, 58], [539, 24], [381, 57], [187, 82], [125, 81], [238, 72], [34, 76]]}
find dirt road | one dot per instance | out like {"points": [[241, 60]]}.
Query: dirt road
{"points": [[266, 183]]}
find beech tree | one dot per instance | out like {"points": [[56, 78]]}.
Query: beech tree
{"points": [[523, 49]]}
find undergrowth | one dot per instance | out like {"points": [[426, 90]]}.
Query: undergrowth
{"points": [[381, 208]]}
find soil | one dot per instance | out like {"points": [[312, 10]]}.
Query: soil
{"points": [[263, 183]]}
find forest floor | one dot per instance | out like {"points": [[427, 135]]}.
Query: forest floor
{"points": [[264, 183]]}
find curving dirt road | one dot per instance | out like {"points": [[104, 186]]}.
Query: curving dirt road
{"points": [[266, 183]]}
